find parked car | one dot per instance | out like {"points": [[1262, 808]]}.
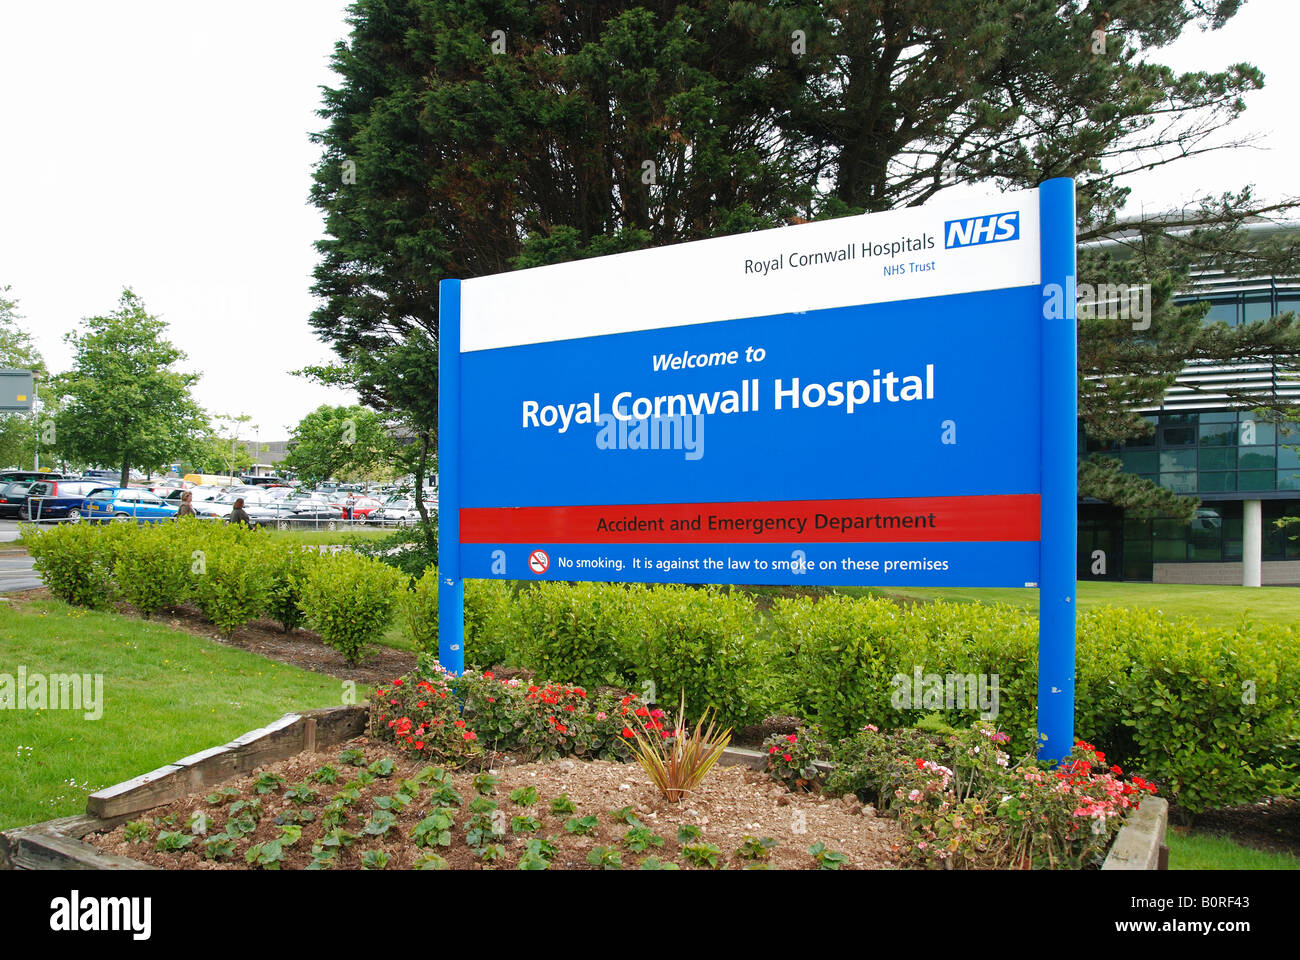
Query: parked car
{"points": [[9, 476], [197, 495], [165, 486], [121, 504], [356, 507], [12, 496], [57, 499], [262, 481], [307, 511], [396, 513]]}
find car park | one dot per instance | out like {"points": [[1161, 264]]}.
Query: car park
{"points": [[121, 504], [52, 500]]}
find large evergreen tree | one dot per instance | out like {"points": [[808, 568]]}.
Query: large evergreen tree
{"points": [[470, 137]]}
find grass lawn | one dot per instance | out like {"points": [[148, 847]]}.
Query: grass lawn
{"points": [[1223, 605], [166, 694], [309, 535], [1196, 851]]}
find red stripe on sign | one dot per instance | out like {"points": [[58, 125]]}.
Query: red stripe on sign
{"points": [[903, 520]]}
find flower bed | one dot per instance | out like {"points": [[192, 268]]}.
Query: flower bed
{"points": [[963, 802], [343, 810]]}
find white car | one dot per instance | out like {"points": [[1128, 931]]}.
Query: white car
{"points": [[398, 513]]}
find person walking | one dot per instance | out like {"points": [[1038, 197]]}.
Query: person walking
{"points": [[186, 508], [238, 514]]}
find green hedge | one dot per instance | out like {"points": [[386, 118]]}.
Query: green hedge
{"points": [[1206, 712]]}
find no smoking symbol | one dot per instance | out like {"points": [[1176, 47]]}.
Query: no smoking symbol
{"points": [[538, 561]]}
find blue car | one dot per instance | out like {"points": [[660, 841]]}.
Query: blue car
{"points": [[121, 504]]}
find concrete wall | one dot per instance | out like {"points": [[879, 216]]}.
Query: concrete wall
{"points": [[1274, 573]]}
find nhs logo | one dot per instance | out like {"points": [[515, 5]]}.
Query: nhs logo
{"points": [[993, 228]]}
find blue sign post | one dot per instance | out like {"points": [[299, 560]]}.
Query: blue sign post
{"points": [[886, 399]]}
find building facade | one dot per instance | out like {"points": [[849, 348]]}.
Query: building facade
{"points": [[1245, 471]]}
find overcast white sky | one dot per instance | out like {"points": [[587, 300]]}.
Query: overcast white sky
{"points": [[162, 145]]}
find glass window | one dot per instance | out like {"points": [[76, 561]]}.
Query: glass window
{"points": [[1168, 551], [1136, 529], [1184, 482], [1221, 416], [1137, 461], [1222, 312], [1232, 549], [1256, 458], [1288, 481], [1251, 432], [1258, 308], [1137, 560], [1256, 480], [1217, 482], [1218, 459], [1168, 529], [1218, 434], [1288, 302], [1172, 461]]}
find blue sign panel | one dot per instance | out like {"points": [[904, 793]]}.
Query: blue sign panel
{"points": [[871, 400]]}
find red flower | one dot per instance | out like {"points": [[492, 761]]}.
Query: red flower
{"points": [[469, 735], [397, 683], [627, 732], [773, 750], [786, 757], [460, 723], [792, 738], [562, 728], [488, 674], [419, 744], [643, 712]]}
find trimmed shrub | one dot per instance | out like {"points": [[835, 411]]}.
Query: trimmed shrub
{"points": [[420, 613], [151, 568], [228, 584], [578, 633], [349, 600], [1207, 713], [844, 654], [702, 642], [73, 563], [285, 567], [494, 630]]}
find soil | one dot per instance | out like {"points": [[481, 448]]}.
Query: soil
{"points": [[751, 737], [732, 802], [1268, 825]]}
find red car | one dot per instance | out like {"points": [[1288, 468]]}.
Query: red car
{"points": [[357, 508]]}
